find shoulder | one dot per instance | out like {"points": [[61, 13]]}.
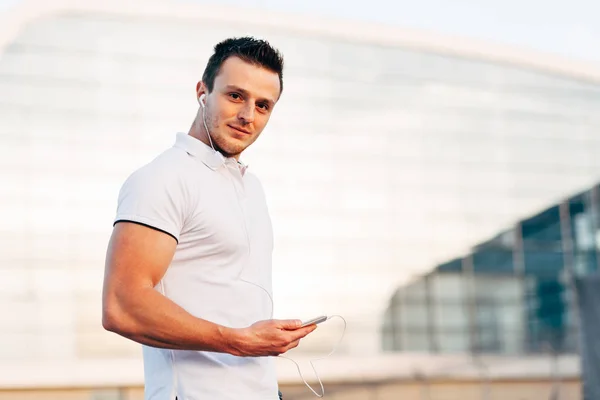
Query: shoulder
{"points": [[170, 170], [159, 194], [254, 183]]}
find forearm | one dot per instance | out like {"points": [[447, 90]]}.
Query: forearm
{"points": [[149, 318]]}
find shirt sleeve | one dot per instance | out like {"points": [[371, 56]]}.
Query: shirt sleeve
{"points": [[153, 198]]}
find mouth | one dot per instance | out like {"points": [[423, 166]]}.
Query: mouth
{"points": [[235, 128]]}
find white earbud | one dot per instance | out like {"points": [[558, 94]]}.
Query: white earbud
{"points": [[201, 100]]}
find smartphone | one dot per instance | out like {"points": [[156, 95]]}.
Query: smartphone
{"points": [[313, 321]]}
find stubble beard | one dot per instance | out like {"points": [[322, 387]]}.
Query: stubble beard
{"points": [[219, 139]]}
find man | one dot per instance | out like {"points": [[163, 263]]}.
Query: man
{"points": [[188, 266]]}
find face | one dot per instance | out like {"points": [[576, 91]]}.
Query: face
{"points": [[240, 104]]}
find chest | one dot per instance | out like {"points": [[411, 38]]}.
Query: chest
{"points": [[230, 218]]}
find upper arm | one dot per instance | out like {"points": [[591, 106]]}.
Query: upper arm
{"points": [[136, 260], [137, 256], [151, 211]]}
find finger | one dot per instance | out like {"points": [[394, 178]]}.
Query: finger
{"points": [[302, 332], [289, 324], [292, 345]]}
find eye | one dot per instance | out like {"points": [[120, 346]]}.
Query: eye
{"points": [[235, 96], [263, 106]]}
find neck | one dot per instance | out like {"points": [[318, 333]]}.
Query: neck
{"points": [[198, 131]]}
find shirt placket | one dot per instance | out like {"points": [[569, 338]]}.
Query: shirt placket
{"points": [[240, 192]]}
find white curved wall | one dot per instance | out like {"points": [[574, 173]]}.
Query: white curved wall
{"points": [[379, 162]]}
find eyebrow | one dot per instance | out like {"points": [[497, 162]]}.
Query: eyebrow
{"points": [[246, 93]]}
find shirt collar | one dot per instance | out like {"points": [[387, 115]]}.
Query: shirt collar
{"points": [[211, 158]]}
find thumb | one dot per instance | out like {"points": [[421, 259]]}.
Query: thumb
{"points": [[290, 324]]}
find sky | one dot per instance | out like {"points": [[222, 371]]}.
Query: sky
{"points": [[568, 28]]}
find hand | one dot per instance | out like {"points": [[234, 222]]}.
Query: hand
{"points": [[269, 338]]}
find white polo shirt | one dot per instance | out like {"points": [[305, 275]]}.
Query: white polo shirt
{"points": [[218, 214]]}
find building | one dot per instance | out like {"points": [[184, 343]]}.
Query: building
{"points": [[512, 294], [390, 152]]}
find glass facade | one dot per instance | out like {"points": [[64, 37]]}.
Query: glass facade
{"points": [[512, 294], [379, 162]]}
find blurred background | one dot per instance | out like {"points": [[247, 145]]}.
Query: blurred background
{"points": [[432, 171]]}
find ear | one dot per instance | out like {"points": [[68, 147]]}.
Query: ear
{"points": [[201, 89]]}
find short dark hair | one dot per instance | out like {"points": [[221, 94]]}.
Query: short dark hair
{"points": [[254, 51]]}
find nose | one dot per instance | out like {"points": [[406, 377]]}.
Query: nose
{"points": [[246, 114]]}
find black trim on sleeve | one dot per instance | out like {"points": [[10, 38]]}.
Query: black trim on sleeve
{"points": [[146, 225]]}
